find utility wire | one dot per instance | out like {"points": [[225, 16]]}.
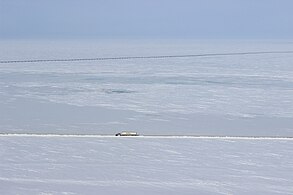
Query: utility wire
{"points": [[145, 57]]}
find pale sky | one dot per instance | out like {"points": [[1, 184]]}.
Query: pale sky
{"points": [[197, 19]]}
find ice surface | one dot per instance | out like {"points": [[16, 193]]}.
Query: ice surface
{"points": [[109, 165], [223, 95], [238, 95]]}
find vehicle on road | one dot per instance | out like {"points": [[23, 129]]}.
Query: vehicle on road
{"points": [[127, 133]]}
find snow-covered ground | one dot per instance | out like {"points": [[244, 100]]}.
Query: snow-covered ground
{"points": [[219, 95], [138, 165]]}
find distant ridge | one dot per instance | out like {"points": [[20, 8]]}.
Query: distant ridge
{"points": [[144, 57]]}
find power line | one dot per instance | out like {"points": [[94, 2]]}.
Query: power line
{"points": [[144, 57]]}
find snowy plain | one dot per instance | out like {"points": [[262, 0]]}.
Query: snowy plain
{"points": [[217, 96], [140, 165]]}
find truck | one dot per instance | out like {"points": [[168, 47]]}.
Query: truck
{"points": [[127, 133]]}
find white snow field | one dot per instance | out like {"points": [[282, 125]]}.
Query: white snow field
{"points": [[139, 165], [241, 95]]}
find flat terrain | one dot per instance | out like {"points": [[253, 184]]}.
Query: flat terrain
{"points": [[141, 165], [238, 95]]}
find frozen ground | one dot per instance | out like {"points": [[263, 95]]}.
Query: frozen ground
{"points": [[220, 95], [109, 165], [223, 95]]}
